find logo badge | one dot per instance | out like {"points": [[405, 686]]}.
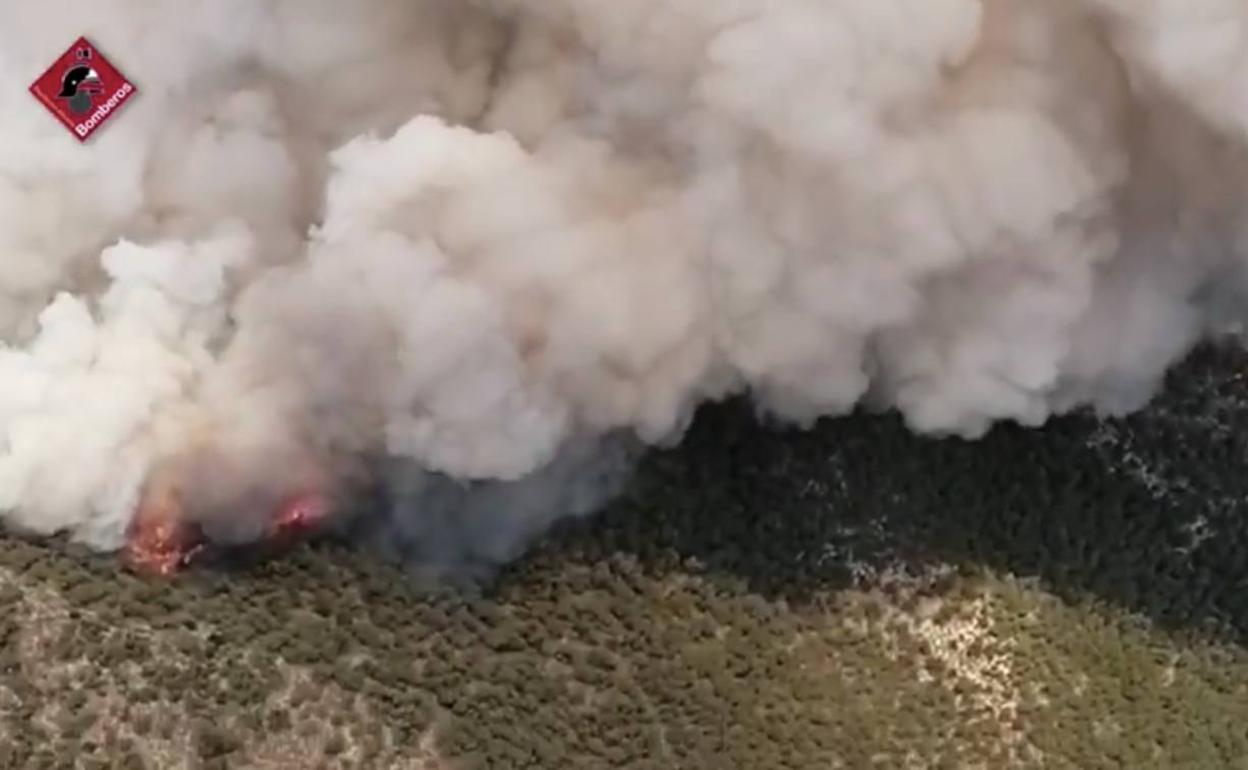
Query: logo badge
{"points": [[82, 89]]}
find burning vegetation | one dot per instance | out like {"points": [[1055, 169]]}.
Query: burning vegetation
{"points": [[813, 627], [163, 539], [576, 219]]}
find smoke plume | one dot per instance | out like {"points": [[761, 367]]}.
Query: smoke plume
{"points": [[469, 249]]}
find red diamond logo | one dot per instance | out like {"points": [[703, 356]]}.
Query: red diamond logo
{"points": [[82, 89]]}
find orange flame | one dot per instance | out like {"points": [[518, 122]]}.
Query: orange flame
{"points": [[160, 541]]}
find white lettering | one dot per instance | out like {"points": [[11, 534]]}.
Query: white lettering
{"points": [[101, 112]]}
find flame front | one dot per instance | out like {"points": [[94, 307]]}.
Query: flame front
{"points": [[161, 541]]}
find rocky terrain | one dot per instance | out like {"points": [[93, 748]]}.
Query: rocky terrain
{"points": [[851, 596]]}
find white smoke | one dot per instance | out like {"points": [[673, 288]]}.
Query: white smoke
{"points": [[475, 237]]}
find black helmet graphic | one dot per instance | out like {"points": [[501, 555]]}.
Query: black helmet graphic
{"points": [[80, 83], [78, 76]]}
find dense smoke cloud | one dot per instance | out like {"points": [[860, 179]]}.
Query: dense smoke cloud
{"points": [[475, 238]]}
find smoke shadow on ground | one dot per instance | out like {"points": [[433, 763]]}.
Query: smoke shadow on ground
{"points": [[1145, 512]]}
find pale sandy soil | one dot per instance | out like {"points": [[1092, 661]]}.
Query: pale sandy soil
{"points": [[851, 597]]}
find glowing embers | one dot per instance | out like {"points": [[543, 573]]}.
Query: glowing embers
{"points": [[299, 515], [163, 540]]}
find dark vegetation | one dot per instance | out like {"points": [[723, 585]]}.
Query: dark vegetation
{"points": [[719, 615], [1149, 512]]}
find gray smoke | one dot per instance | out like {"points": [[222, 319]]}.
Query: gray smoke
{"points": [[474, 238]]}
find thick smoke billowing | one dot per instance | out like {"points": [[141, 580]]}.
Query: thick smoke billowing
{"points": [[475, 238]]}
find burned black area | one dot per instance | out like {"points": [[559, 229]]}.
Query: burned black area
{"points": [[1147, 511]]}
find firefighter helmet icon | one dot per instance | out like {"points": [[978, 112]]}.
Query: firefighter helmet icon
{"points": [[80, 83], [82, 89]]}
